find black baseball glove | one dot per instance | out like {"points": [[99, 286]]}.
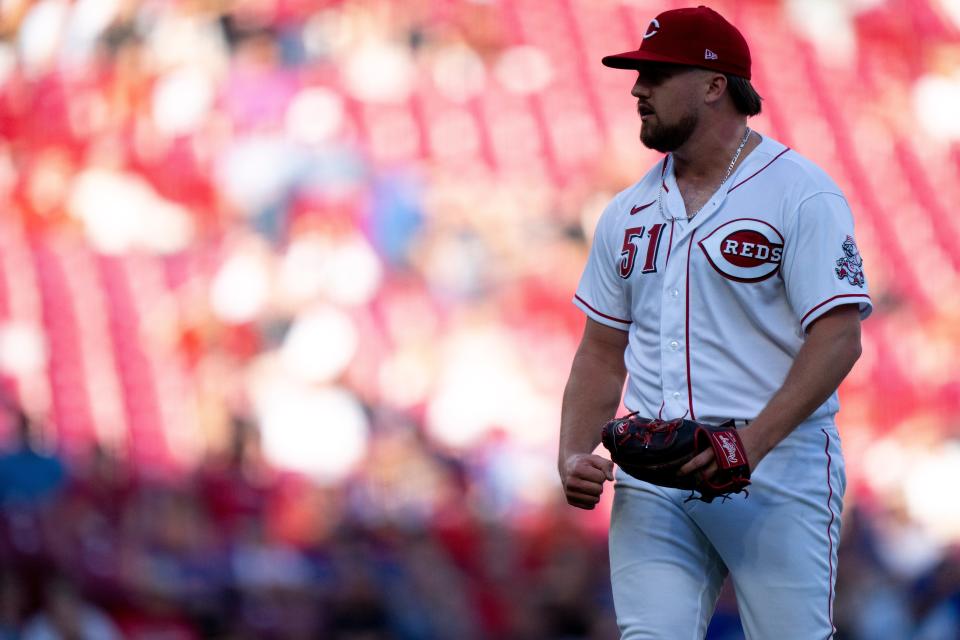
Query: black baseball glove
{"points": [[654, 451]]}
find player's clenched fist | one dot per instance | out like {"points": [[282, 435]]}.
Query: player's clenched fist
{"points": [[583, 475]]}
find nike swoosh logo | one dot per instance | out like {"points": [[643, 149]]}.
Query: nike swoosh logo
{"points": [[635, 210]]}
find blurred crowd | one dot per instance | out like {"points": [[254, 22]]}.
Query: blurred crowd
{"points": [[237, 549], [285, 291]]}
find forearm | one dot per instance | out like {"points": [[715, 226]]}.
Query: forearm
{"points": [[591, 397], [822, 363]]}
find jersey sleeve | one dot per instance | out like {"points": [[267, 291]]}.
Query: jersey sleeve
{"points": [[822, 267], [601, 293]]}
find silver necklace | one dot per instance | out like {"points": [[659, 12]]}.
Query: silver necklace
{"points": [[736, 156]]}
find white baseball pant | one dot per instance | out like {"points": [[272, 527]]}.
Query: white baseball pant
{"points": [[669, 557]]}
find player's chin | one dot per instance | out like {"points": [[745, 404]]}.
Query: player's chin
{"points": [[650, 138]]}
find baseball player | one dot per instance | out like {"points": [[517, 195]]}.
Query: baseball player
{"points": [[715, 283]]}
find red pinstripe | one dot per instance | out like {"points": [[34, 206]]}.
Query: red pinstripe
{"points": [[843, 295], [826, 450], [663, 172], [760, 169], [600, 313], [693, 416]]}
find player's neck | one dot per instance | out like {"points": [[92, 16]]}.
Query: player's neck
{"points": [[706, 156]]}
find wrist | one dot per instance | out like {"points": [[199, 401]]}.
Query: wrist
{"points": [[757, 441], [564, 458]]}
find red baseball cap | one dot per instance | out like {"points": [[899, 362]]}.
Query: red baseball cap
{"points": [[698, 37]]}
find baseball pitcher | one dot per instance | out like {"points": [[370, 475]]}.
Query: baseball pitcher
{"points": [[726, 288]]}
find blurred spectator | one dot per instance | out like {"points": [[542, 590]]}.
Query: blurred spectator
{"points": [[937, 601], [11, 606], [235, 484], [66, 616], [28, 476]]}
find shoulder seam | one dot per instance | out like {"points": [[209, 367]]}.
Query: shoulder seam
{"points": [[820, 193]]}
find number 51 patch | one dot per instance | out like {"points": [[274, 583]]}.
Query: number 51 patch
{"points": [[628, 256]]}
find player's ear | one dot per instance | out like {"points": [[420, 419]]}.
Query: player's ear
{"points": [[716, 86]]}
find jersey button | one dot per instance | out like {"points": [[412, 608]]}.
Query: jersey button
{"points": [[674, 345], [675, 293], [676, 395]]}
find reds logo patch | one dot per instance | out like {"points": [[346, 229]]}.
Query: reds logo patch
{"points": [[745, 250], [850, 264]]}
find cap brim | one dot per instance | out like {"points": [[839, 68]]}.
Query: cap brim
{"points": [[633, 59]]}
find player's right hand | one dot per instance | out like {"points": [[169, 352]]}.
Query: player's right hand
{"points": [[583, 475]]}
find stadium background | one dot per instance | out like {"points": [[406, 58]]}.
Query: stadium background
{"points": [[285, 308]]}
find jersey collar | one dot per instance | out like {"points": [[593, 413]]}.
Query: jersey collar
{"points": [[754, 161]]}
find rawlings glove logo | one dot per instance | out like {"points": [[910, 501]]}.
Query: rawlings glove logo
{"points": [[730, 449]]}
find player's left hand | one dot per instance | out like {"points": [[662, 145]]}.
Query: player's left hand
{"points": [[705, 463]]}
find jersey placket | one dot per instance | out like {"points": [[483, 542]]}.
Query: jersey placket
{"points": [[676, 296]]}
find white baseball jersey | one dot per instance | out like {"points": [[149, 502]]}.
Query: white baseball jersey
{"points": [[717, 307]]}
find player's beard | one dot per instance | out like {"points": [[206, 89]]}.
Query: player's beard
{"points": [[666, 138]]}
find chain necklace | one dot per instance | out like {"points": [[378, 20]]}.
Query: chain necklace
{"points": [[736, 156]]}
